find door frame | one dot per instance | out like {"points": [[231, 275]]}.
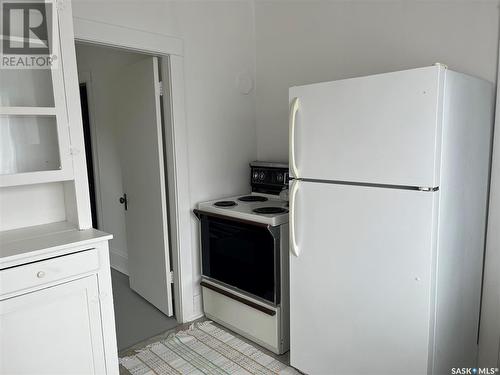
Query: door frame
{"points": [[170, 50]]}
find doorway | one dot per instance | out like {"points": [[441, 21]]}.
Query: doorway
{"points": [[88, 151], [123, 131]]}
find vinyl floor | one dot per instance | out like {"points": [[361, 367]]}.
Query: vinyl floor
{"points": [[135, 318]]}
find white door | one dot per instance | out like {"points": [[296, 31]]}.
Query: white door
{"points": [[143, 175], [53, 331], [360, 289], [382, 129]]}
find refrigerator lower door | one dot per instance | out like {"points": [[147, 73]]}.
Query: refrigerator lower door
{"points": [[360, 288]]}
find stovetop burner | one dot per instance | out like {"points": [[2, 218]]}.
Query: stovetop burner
{"points": [[252, 198], [225, 204], [270, 210]]}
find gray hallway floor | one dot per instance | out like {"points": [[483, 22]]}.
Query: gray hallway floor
{"points": [[136, 319]]}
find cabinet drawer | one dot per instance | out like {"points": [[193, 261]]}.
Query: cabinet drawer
{"points": [[47, 271]]}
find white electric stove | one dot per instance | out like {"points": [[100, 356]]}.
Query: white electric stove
{"points": [[256, 207], [244, 258]]}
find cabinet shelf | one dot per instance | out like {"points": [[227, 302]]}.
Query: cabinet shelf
{"points": [[38, 177], [28, 111]]}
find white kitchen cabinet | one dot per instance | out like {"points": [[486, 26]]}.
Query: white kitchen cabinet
{"points": [[60, 329], [42, 151], [56, 305], [56, 302], [34, 120]]}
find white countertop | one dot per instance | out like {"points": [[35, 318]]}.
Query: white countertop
{"points": [[39, 242]]}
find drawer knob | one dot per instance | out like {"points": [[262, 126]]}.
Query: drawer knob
{"points": [[40, 274]]}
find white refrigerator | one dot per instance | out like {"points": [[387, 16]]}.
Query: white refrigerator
{"points": [[388, 201]]}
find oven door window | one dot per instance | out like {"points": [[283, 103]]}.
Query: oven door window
{"points": [[240, 255]]}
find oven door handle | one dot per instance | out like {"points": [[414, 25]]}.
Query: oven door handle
{"points": [[252, 304], [293, 238]]}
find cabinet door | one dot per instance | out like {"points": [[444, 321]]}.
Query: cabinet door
{"points": [[360, 287], [382, 129], [34, 134], [53, 331]]}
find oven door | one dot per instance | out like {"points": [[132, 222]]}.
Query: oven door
{"points": [[241, 255]]}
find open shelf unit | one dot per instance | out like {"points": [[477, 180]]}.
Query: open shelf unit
{"points": [[43, 167]]}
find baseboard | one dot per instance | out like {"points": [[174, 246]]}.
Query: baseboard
{"points": [[118, 261], [197, 307]]}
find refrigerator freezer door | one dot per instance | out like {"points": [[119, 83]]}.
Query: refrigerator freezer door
{"points": [[382, 129], [360, 289]]}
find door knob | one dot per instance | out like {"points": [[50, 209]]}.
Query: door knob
{"points": [[124, 201]]}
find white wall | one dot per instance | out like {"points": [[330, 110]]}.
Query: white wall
{"points": [[303, 42], [24, 206], [295, 43], [155, 16], [489, 343], [219, 45], [103, 66]]}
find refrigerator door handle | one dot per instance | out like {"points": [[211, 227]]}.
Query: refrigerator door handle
{"points": [[293, 241], [294, 107]]}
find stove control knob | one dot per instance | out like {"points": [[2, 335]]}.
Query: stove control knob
{"points": [[280, 177], [255, 176], [261, 176]]}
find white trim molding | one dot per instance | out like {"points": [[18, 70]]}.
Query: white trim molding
{"points": [[106, 34], [170, 50], [79, 191], [178, 181], [118, 260]]}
